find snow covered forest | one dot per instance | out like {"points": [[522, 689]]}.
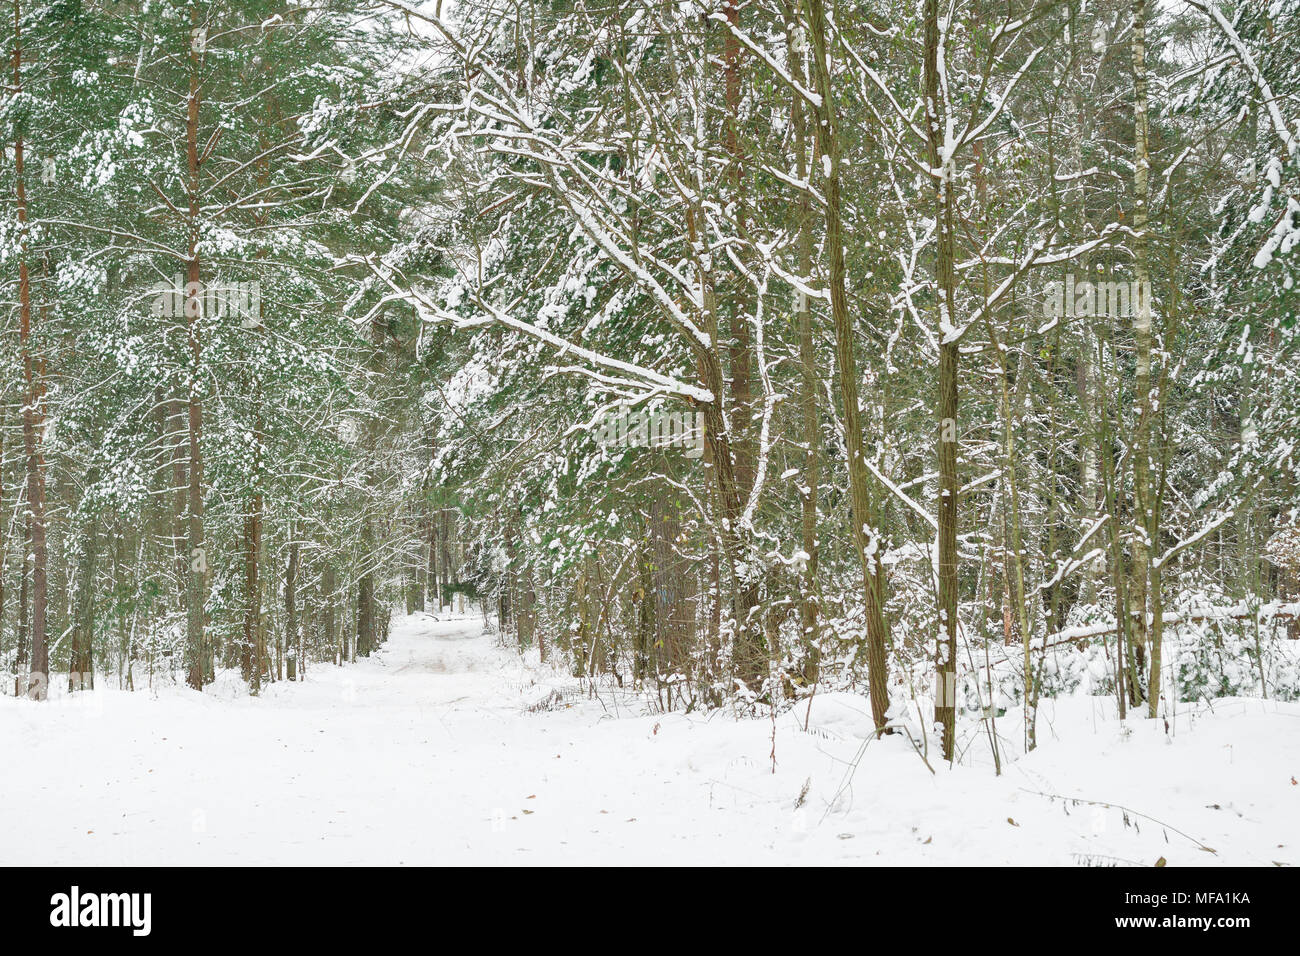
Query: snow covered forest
{"points": [[922, 371]]}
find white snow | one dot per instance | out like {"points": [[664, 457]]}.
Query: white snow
{"points": [[448, 748]]}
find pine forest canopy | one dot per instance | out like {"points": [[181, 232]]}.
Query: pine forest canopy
{"points": [[726, 350]]}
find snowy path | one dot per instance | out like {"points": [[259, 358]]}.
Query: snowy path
{"points": [[434, 752]]}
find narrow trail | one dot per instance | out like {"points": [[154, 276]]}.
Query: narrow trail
{"points": [[447, 748], [427, 753]]}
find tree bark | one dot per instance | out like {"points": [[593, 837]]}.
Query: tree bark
{"points": [[33, 422], [198, 653], [945, 706], [251, 663], [808, 494], [81, 665], [291, 605], [866, 541], [1143, 505]]}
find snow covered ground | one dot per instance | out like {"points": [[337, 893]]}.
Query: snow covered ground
{"points": [[446, 748]]}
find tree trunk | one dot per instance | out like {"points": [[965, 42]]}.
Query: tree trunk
{"points": [[22, 683], [329, 612], [81, 666], [1142, 505], [365, 614], [33, 423], [251, 664], [291, 605], [808, 494], [198, 653], [434, 585], [740, 351], [866, 541]]}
